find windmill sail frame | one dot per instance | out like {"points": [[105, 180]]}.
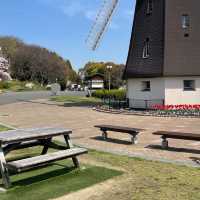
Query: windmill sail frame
{"points": [[100, 24]]}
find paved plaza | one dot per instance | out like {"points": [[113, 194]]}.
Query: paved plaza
{"points": [[82, 120]]}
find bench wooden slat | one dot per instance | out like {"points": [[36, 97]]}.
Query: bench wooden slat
{"points": [[25, 164], [118, 129], [19, 135], [178, 135]]}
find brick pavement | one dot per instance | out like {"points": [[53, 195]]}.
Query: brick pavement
{"points": [[82, 120]]}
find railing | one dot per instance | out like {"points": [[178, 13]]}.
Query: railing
{"points": [[117, 104], [144, 104], [132, 103]]}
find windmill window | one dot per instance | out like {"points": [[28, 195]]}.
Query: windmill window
{"points": [[185, 21], [189, 85], [186, 35], [149, 7], [146, 86], [146, 49]]}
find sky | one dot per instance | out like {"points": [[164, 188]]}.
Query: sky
{"points": [[63, 25]]}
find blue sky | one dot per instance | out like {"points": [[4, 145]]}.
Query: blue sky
{"points": [[63, 25]]}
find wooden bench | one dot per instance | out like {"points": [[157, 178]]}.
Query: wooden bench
{"points": [[29, 163], [176, 135], [131, 131]]}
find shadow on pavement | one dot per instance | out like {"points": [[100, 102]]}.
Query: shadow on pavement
{"points": [[111, 140], [175, 149]]}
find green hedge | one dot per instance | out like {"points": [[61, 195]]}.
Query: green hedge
{"points": [[114, 94]]}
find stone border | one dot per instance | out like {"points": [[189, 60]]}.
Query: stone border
{"points": [[140, 113]]}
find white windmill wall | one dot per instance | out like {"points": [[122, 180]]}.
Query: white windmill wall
{"points": [[175, 94], [169, 89], [137, 97]]}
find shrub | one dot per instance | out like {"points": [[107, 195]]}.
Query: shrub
{"points": [[16, 85], [113, 94], [63, 85], [4, 85]]}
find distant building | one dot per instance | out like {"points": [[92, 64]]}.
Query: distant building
{"points": [[163, 65], [95, 82]]}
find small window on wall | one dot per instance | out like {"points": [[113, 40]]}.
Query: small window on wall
{"points": [[149, 7], [185, 21], [146, 86], [146, 49], [189, 85]]}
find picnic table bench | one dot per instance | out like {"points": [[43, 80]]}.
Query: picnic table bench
{"points": [[24, 138], [131, 131], [176, 135]]}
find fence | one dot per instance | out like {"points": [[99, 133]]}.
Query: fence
{"points": [[132, 103], [144, 104], [113, 103]]}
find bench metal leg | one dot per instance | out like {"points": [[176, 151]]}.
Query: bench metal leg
{"points": [[76, 162], [68, 142], [134, 139], [4, 170], [46, 146], [105, 135], [165, 143], [69, 146]]}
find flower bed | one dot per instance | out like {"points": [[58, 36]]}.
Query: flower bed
{"points": [[190, 111], [178, 110]]}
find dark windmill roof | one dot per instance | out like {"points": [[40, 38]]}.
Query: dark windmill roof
{"points": [[174, 50], [146, 26]]}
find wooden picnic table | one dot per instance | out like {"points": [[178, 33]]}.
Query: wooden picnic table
{"points": [[25, 138]]}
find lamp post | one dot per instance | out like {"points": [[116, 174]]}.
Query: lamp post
{"points": [[109, 68]]}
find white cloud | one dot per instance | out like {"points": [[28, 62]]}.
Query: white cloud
{"points": [[114, 26], [72, 9], [90, 14], [128, 14]]}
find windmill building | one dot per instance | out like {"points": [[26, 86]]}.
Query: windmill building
{"points": [[163, 65]]}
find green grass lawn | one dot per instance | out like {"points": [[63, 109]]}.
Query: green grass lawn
{"points": [[54, 180], [3, 128], [151, 180], [77, 100], [140, 180]]}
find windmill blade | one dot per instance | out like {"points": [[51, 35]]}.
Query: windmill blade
{"points": [[101, 22]]}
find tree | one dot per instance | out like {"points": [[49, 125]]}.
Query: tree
{"points": [[74, 77], [34, 63], [92, 68]]}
